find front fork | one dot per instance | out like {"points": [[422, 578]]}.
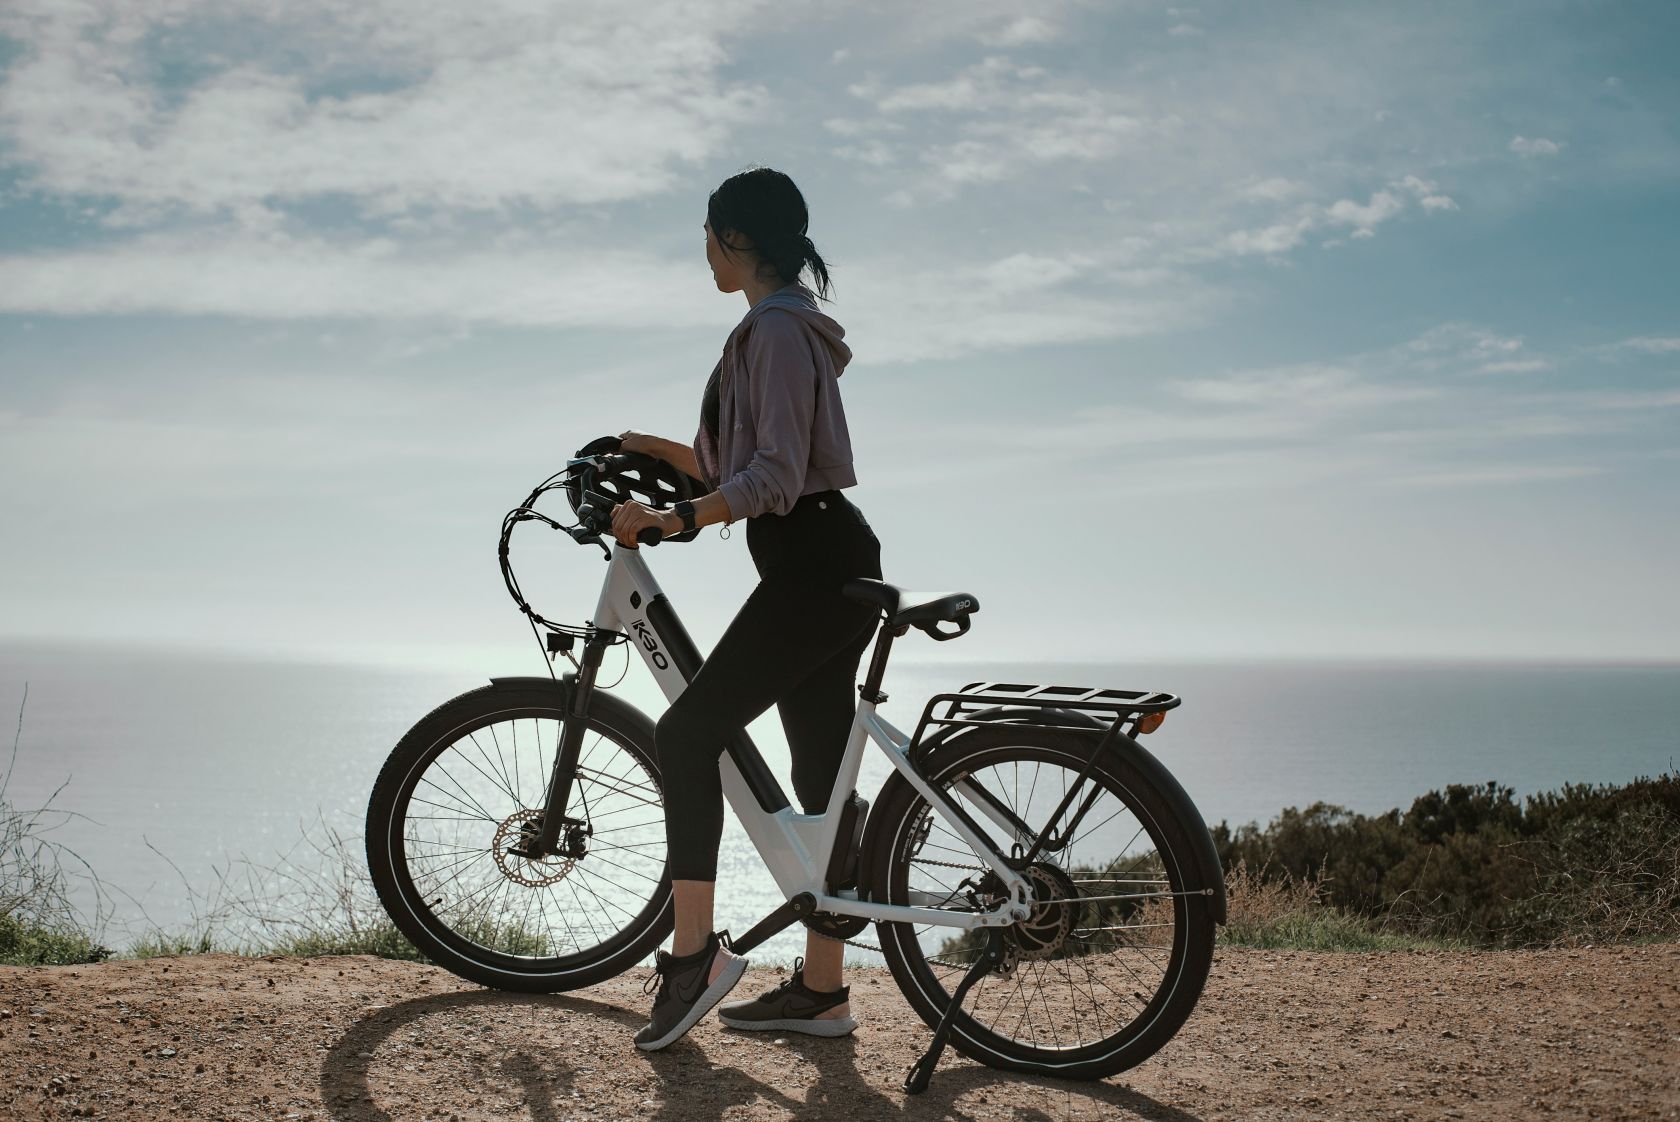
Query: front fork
{"points": [[555, 819]]}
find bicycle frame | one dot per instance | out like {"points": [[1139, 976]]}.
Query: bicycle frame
{"points": [[795, 847]]}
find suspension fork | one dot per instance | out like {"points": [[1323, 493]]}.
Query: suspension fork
{"points": [[559, 793]]}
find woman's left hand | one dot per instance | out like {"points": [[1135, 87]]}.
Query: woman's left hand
{"points": [[629, 518]]}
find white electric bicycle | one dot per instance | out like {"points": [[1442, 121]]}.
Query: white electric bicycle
{"points": [[1044, 891]]}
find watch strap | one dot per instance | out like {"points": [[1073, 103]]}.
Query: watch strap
{"points": [[685, 511]]}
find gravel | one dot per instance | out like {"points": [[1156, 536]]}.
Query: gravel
{"points": [[1589, 1033]]}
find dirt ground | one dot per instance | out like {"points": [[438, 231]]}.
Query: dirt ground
{"points": [[1593, 1033]]}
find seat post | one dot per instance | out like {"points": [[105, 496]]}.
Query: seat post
{"points": [[870, 690]]}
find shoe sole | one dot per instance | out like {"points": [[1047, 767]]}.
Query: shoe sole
{"points": [[716, 992], [813, 1026]]}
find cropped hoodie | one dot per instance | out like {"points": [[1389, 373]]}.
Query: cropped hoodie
{"points": [[781, 428]]}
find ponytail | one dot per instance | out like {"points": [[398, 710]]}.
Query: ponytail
{"points": [[766, 206]]}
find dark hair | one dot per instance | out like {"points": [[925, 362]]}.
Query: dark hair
{"points": [[764, 204]]}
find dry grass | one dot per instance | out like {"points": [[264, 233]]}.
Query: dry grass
{"points": [[39, 922], [1290, 912]]}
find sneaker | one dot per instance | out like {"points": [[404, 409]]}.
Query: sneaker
{"points": [[684, 994], [791, 1007]]}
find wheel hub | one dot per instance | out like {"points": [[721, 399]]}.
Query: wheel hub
{"points": [[1052, 919], [515, 837]]}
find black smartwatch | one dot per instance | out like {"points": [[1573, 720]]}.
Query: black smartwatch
{"points": [[685, 511]]}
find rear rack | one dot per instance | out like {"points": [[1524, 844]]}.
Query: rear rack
{"points": [[1113, 707]]}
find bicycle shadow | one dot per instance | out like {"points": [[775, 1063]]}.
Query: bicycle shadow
{"points": [[841, 1090], [347, 1095], [696, 1087]]}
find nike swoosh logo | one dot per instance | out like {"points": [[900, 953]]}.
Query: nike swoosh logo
{"points": [[693, 995]]}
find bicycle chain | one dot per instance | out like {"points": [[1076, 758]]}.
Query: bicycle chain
{"points": [[947, 864]]}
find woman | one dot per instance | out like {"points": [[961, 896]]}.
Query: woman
{"points": [[774, 448]]}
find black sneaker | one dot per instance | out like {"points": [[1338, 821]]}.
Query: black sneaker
{"points": [[791, 1007], [684, 995]]}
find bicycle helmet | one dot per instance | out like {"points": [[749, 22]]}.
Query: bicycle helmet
{"points": [[600, 467]]}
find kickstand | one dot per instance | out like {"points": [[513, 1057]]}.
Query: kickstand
{"points": [[921, 1072]]}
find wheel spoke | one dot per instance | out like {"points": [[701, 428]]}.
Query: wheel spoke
{"points": [[1105, 935], [464, 809]]}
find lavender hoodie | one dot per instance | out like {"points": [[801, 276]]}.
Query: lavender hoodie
{"points": [[781, 429]]}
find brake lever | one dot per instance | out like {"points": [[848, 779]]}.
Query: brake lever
{"points": [[583, 535]]}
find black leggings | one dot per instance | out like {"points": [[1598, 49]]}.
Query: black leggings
{"points": [[796, 644]]}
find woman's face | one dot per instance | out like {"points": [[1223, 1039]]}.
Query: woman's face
{"points": [[728, 271]]}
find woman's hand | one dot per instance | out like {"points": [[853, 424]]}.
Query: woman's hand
{"points": [[630, 517], [647, 444]]}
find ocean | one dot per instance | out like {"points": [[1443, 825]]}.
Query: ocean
{"points": [[174, 767]]}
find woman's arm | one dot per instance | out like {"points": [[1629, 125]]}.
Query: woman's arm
{"points": [[679, 456], [629, 517]]}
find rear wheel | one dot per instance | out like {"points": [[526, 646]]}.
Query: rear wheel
{"points": [[1115, 953], [466, 787]]}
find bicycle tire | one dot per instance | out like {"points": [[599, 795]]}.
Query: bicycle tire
{"points": [[1183, 967], [526, 955]]}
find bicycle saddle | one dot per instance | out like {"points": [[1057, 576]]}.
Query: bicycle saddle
{"points": [[914, 609]]}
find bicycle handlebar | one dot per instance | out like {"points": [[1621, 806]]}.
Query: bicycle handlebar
{"points": [[596, 513]]}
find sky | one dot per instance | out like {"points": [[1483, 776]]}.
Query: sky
{"points": [[1227, 331]]}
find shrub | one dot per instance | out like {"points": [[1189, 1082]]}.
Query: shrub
{"points": [[1473, 863]]}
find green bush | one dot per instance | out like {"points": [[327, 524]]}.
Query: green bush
{"points": [[27, 944], [1473, 863]]}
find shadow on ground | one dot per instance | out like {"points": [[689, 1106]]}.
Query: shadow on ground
{"points": [[695, 1087]]}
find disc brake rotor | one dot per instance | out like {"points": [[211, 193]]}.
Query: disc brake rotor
{"points": [[1052, 919], [520, 828]]}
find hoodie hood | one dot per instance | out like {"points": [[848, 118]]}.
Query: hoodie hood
{"points": [[802, 302]]}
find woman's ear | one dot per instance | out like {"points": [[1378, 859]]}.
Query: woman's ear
{"points": [[733, 239]]}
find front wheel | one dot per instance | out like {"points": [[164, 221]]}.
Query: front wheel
{"points": [[1117, 948], [465, 789]]}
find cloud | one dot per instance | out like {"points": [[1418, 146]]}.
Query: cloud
{"points": [[1651, 344], [1012, 117], [1538, 146], [1629, 399], [1277, 189], [908, 313], [492, 106], [1362, 219], [1277, 238], [911, 312], [1483, 475], [1514, 366], [1462, 343], [1021, 31], [1368, 418], [228, 273], [1322, 388]]}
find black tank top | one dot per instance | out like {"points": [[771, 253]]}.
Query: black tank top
{"points": [[709, 404]]}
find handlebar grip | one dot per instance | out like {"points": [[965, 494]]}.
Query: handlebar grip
{"points": [[650, 535]]}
